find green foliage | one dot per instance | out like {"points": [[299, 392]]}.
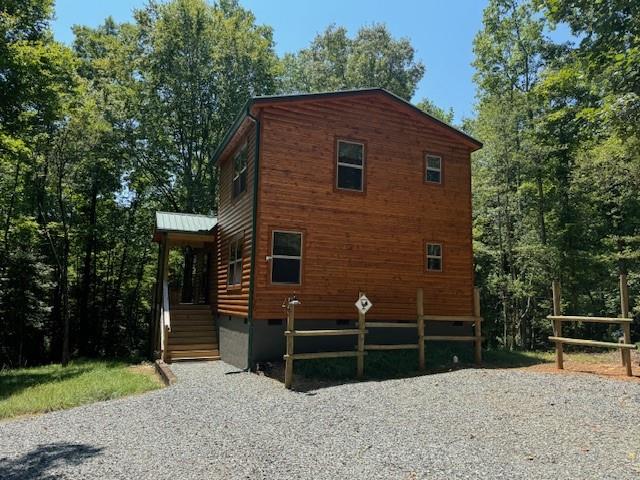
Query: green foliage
{"points": [[95, 138], [198, 64], [555, 188], [34, 390], [334, 61], [434, 110]]}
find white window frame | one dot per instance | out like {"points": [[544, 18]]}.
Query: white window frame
{"points": [[288, 257], [428, 256], [351, 165], [428, 169], [235, 261], [243, 148]]}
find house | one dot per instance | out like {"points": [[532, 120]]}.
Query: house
{"points": [[322, 195]]}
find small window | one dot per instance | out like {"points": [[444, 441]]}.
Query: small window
{"points": [[240, 171], [286, 257], [234, 274], [434, 257], [350, 169], [433, 169]]}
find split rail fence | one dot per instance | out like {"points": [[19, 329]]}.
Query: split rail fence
{"points": [[362, 348], [625, 346]]}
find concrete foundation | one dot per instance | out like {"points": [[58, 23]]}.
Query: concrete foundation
{"points": [[233, 337]]}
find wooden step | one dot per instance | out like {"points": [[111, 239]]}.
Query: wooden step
{"points": [[191, 308], [192, 333], [201, 327], [194, 346], [191, 316], [192, 321], [206, 354], [177, 333], [212, 339]]}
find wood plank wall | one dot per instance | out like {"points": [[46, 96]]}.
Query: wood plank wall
{"points": [[235, 219], [213, 273], [372, 242]]}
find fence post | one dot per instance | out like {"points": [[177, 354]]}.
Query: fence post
{"points": [[288, 363], [477, 326], [626, 327], [420, 311], [557, 324], [361, 332]]}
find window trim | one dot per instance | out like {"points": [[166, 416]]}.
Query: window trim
{"points": [[337, 164], [234, 241], [244, 146], [272, 256], [427, 243], [425, 168]]}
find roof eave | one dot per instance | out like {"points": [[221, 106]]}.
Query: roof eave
{"points": [[244, 112]]}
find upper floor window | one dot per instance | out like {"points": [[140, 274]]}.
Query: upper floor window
{"points": [[286, 257], [433, 169], [434, 257], [234, 273], [350, 168], [240, 171]]}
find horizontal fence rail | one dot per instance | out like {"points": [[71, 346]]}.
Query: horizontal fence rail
{"points": [[625, 346], [361, 349]]}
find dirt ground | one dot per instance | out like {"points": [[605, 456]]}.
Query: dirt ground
{"points": [[606, 365]]}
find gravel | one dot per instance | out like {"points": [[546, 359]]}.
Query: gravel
{"points": [[218, 423]]}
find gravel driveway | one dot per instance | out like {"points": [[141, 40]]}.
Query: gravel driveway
{"points": [[220, 424]]}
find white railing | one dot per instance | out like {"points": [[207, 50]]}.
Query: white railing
{"points": [[165, 319]]}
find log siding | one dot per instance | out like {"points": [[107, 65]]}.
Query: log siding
{"points": [[235, 221], [372, 242]]}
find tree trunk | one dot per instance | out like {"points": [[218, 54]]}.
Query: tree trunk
{"points": [[88, 339], [64, 288]]}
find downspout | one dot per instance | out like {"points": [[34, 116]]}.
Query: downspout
{"points": [[254, 241]]}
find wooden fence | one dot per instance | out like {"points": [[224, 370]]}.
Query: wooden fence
{"points": [[361, 348], [624, 321]]}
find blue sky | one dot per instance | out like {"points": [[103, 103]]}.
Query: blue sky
{"points": [[441, 31]]}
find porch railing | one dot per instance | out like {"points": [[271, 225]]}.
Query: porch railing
{"points": [[165, 320]]}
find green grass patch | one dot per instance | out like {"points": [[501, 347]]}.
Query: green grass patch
{"points": [[53, 387]]}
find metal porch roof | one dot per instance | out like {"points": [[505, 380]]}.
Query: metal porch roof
{"points": [[184, 222]]}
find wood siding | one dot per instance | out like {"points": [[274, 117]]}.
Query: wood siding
{"points": [[372, 241], [235, 220]]}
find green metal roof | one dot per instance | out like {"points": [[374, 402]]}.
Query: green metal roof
{"points": [[184, 222]]}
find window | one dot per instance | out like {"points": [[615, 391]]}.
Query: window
{"points": [[433, 169], [434, 257], [350, 169], [234, 274], [286, 257], [240, 171]]}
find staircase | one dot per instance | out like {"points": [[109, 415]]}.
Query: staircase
{"points": [[193, 333]]}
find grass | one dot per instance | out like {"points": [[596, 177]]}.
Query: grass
{"points": [[439, 357], [53, 387]]}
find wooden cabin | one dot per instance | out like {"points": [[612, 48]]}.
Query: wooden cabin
{"points": [[325, 195]]}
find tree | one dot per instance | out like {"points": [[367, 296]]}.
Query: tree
{"points": [[37, 80], [434, 110], [373, 58], [199, 64], [512, 178]]}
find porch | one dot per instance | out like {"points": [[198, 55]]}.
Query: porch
{"points": [[184, 304]]}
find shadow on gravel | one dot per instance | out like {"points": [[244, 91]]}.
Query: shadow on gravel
{"points": [[35, 465], [312, 375]]}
